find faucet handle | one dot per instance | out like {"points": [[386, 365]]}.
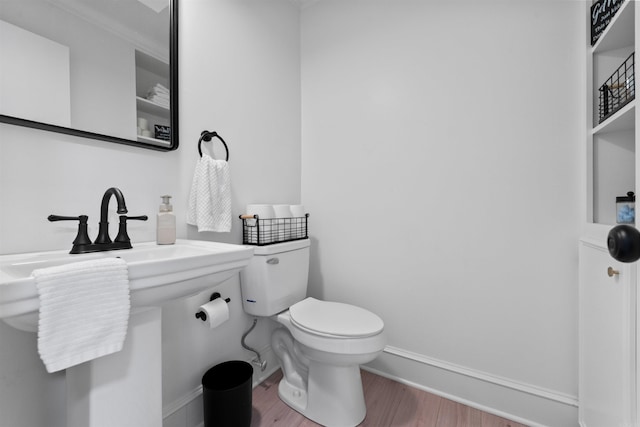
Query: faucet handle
{"points": [[139, 218], [67, 218], [122, 236], [82, 238]]}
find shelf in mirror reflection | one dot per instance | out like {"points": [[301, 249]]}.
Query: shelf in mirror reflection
{"points": [[151, 107]]}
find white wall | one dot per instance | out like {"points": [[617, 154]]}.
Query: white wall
{"points": [[249, 92], [440, 168]]}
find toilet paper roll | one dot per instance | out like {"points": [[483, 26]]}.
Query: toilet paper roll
{"points": [[263, 211], [297, 210], [217, 312], [282, 211], [266, 214]]}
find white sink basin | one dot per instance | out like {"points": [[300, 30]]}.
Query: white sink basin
{"points": [[157, 274]]}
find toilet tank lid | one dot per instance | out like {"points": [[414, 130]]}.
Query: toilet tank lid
{"points": [[335, 318], [278, 248]]}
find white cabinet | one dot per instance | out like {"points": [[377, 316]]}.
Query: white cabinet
{"points": [[607, 339]]}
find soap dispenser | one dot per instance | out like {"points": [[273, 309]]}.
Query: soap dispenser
{"points": [[166, 225]]}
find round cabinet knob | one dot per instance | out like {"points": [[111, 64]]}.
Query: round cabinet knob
{"points": [[624, 243], [611, 272]]}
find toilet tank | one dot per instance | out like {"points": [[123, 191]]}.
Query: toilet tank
{"points": [[276, 278]]}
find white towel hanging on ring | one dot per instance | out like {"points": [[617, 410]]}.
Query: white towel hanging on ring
{"points": [[210, 196]]}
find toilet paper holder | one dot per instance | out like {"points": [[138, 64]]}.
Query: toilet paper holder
{"points": [[202, 315]]}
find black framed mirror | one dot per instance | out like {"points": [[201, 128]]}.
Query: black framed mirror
{"points": [[93, 69]]}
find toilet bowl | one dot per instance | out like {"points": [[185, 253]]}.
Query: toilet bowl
{"points": [[320, 344], [322, 381]]}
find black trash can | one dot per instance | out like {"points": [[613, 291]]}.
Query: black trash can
{"points": [[226, 391]]}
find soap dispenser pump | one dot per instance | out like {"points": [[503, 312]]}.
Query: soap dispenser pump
{"points": [[166, 225]]}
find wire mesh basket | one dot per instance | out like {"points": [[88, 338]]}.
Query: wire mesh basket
{"points": [[618, 90], [260, 232]]}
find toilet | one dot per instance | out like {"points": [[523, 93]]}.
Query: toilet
{"points": [[320, 344]]}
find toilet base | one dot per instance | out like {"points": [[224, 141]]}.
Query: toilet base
{"points": [[335, 397]]}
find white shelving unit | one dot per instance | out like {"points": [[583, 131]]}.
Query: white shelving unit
{"points": [[149, 72], [611, 151], [608, 328]]}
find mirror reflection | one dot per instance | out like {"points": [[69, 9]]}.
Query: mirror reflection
{"points": [[98, 67]]}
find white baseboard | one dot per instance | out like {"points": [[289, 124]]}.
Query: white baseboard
{"points": [[524, 403]]}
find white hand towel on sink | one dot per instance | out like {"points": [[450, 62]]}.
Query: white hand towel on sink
{"points": [[84, 311], [210, 196]]}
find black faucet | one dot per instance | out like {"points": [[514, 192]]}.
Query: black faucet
{"points": [[82, 243], [103, 228]]}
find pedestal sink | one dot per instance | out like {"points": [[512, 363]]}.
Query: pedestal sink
{"points": [[157, 274], [123, 388]]}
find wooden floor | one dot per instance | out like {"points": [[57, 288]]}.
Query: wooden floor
{"points": [[389, 403]]}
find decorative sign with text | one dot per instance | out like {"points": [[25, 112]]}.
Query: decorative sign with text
{"points": [[162, 133], [602, 12]]}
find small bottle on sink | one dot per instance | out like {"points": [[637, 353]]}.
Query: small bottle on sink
{"points": [[166, 224]]}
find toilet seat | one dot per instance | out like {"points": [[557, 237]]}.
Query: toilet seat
{"points": [[334, 319]]}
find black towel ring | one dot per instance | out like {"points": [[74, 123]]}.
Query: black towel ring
{"points": [[206, 136]]}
